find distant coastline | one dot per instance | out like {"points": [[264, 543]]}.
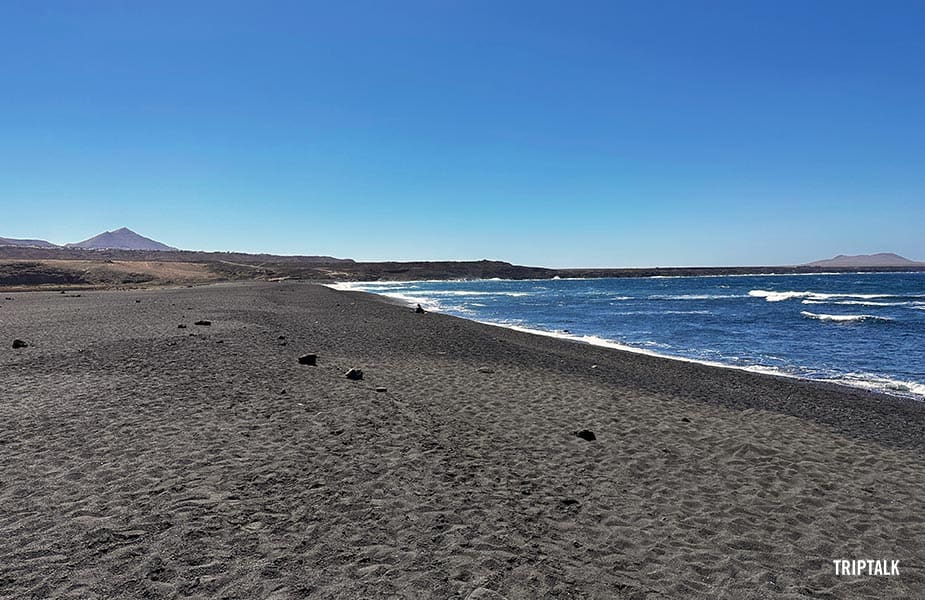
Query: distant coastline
{"points": [[33, 266]]}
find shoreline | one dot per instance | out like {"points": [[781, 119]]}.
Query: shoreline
{"points": [[594, 340], [787, 388]]}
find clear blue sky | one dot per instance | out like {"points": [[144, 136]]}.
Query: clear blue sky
{"points": [[546, 133]]}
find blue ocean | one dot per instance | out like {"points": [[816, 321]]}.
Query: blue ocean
{"points": [[865, 330]]}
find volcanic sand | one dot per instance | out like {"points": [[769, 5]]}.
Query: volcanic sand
{"points": [[141, 460]]}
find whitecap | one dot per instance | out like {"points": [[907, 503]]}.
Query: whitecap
{"points": [[473, 293], [843, 318], [855, 302], [773, 296]]}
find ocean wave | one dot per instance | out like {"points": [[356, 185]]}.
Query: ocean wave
{"points": [[372, 285], [695, 297], [773, 296], [843, 318], [473, 293], [856, 302], [412, 300], [777, 296]]}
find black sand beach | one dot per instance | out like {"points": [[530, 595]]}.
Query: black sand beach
{"points": [[143, 460]]}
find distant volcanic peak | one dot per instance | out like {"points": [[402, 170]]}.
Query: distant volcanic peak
{"points": [[27, 243], [121, 239], [882, 259]]}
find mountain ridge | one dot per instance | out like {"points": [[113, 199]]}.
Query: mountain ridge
{"points": [[27, 243]]}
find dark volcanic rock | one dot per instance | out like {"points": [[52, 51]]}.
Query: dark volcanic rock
{"points": [[19, 344], [203, 322], [586, 434], [308, 359], [181, 326], [354, 374]]}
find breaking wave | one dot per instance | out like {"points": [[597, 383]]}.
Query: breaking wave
{"points": [[772, 296], [843, 318], [856, 302], [475, 293]]}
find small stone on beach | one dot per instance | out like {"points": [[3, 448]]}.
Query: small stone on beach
{"points": [[586, 435], [485, 370], [181, 326], [354, 374], [203, 322], [308, 359], [381, 389], [19, 344]]}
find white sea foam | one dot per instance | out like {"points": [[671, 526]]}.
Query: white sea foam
{"points": [[844, 318], [880, 384], [412, 300], [856, 302], [474, 293], [772, 296], [777, 296]]}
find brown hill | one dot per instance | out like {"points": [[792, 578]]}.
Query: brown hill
{"points": [[26, 243], [882, 259]]}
